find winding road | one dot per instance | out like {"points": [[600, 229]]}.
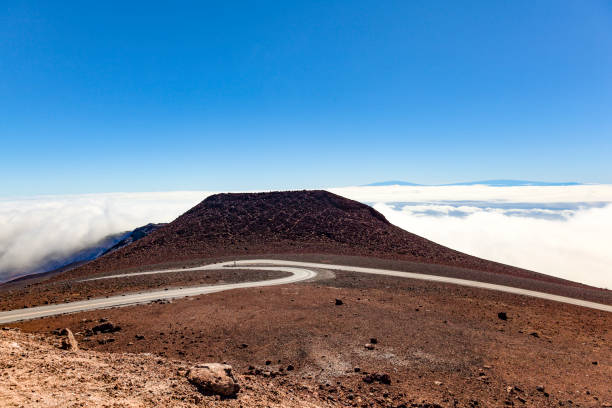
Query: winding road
{"points": [[300, 271]]}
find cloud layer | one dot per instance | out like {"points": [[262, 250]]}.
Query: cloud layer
{"points": [[560, 231], [586, 193], [36, 229]]}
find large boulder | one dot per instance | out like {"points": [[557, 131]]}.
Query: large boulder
{"points": [[214, 378]]}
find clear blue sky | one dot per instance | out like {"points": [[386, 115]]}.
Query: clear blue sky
{"points": [[147, 96]]}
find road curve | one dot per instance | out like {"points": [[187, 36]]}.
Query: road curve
{"points": [[297, 275], [299, 271]]}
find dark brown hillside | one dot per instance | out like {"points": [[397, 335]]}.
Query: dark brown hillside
{"points": [[286, 222]]}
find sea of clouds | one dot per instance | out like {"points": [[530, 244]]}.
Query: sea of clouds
{"points": [[562, 231], [35, 230]]}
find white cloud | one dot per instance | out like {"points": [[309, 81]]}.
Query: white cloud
{"points": [[520, 194], [33, 229], [562, 231]]}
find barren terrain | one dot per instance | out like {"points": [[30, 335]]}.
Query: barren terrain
{"points": [[341, 339], [439, 344], [35, 372]]}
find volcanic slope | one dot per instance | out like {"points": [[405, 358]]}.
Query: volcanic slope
{"points": [[293, 222]]}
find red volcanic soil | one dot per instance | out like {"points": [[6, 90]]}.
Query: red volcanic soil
{"points": [[440, 345], [295, 222]]}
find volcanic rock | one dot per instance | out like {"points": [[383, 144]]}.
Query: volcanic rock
{"points": [[69, 342], [107, 327], [377, 377], [214, 378]]}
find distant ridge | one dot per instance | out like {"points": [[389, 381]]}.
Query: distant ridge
{"points": [[490, 183]]}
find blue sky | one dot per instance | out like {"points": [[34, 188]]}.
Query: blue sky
{"points": [[99, 97]]}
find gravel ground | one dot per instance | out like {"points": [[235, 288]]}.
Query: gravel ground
{"points": [[439, 344], [34, 372]]}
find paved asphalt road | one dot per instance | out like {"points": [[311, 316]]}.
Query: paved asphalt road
{"points": [[299, 271]]}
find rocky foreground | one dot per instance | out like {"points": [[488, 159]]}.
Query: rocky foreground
{"points": [[42, 371]]}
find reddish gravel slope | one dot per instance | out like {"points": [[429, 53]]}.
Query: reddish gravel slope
{"points": [[293, 222]]}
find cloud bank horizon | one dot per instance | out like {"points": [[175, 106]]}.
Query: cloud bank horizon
{"points": [[558, 230]]}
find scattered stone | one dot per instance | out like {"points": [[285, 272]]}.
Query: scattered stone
{"points": [[535, 334], [438, 382], [594, 363], [214, 378], [139, 337], [540, 388], [369, 346], [290, 367], [374, 340], [357, 369], [339, 302], [106, 327], [243, 346], [69, 342], [377, 377], [502, 316], [268, 362]]}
